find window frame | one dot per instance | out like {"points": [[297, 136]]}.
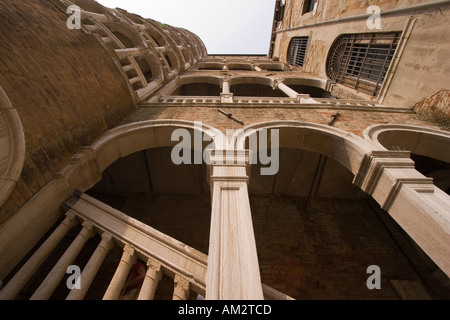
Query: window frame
{"points": [[297, 50], [361, 61]]}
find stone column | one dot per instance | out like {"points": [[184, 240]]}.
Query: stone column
{"points": [[291, 93], [181, 288], [25, 273], [152, 277], [226, 96], [91, 268], [55, 276], [412, 200], [233, 269], [120, 276]]}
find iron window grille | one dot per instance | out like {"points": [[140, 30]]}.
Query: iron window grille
{"points": [[361, 61], [297, 51]]}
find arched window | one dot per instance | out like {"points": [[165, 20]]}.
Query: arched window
{"points": [[297, 51], [361, 61]]}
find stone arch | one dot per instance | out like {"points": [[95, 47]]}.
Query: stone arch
{"points": [[124, 140], [265, 81], [272, 66], [198, 86], [173, 61], [156, 35], [210, 66], [240, 66], [254, 86], [428, 142], [150, 67], [346, 148], [419, 207], [315, 87], [12, 146], [127, 36]]}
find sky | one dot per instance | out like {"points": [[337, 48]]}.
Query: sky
{"points": [[225, 26]]}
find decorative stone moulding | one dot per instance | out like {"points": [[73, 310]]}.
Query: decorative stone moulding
{"points": [[12, 147]]}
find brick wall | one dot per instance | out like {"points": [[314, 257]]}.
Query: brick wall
{"points": [[319, 253], [436, 108], [351, 121], [65, 85], [324, 252]]}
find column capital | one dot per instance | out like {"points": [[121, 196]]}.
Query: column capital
{"points": [[375, 162], [107, 241], [229, 165], [383, 174], [181, 288]]}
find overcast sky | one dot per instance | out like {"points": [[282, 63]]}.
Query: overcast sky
{"points": [[225, 26]]}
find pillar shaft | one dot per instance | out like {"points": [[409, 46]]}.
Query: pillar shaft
{"points": [[25, 273], [55, 276], [411, 199], [287, 90], [225, 87], [152, 277], [120, 276], [233, 270], [92, 267]]}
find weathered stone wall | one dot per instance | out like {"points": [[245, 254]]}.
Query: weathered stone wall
{"points": [[64, 84], [422, 66]]}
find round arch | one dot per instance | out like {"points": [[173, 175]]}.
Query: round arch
{"points": [[427, 142], [151, 67], [265, 81], [198, 86], [307, 81], [125, 140], [346, 148], [127, 36]]}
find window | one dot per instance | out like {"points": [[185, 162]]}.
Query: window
{"points": [[297, 51], [309, 5], [361, 61]]}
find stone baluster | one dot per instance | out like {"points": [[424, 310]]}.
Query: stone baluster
{"points": [[55, 276], [120, 276], [25, 273], [92, 267], [152, 277]]}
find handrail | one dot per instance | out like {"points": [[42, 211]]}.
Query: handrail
{"points": [[149, 242]]}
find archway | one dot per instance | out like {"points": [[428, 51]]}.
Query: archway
{"points": [[310, 219], [198, 86], [254, 87]]}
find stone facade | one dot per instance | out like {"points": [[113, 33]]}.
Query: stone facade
{"points": [[89, 178]]}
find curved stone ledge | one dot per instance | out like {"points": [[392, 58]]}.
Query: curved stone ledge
{"points": [[12, 146]]}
